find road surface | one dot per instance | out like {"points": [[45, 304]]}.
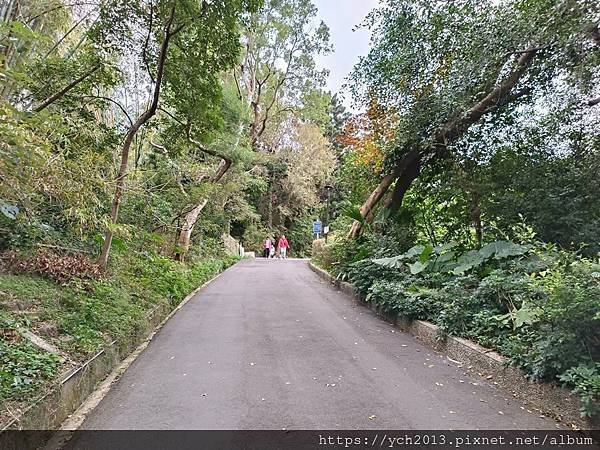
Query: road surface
{"points": [[268, 345]]}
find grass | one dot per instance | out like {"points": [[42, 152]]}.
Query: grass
{"points": [[83, 316]]}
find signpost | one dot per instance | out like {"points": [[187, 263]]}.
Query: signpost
{"points": [[317, 228]]}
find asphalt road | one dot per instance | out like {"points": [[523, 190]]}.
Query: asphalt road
{"points": [[268, 345]]}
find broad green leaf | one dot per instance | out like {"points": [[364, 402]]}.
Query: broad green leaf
{"points": [[395, 262], [441, 249], [424, 256], [417, 267], [414, 251], [525, 315], [468, 261], [503, 249]]}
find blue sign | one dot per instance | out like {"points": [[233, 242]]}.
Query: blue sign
{"points": [[317, 227]]}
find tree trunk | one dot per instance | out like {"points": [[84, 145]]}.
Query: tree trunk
{"points": [[410, 174], [366, 210], [448, 133], [185, 233], [142, 119], [183, 243], [254, 126]]}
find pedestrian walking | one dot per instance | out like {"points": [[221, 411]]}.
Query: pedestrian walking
{"points": [[283, 246], [267, 246]]}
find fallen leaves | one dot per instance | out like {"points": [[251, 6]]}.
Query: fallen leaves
{"points": [[61, 268]]}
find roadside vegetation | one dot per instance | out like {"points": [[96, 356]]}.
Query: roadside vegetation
{"points": [[467, 193], [535, 304], [138, 137], [140, 142], [80, 316]]}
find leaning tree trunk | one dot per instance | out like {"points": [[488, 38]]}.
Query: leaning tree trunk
{"points": [[189, 221], [405, 180], [449, 132], [366, 210], [142, 119], [191, 217]]}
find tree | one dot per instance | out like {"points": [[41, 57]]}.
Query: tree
{"points": [[192, 26], [444, 67], [170, 29], [280, 47], [309, 159]]}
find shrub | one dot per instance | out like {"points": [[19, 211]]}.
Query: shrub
{"points": [[364, 273], [23, 369], [88, 316], [406, 298], [534, 304], [586, 382]]}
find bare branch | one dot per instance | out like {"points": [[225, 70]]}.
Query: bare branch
{"points": [[205, 149], [64, 36], [113, 102], [593, 101], [145, 49]]}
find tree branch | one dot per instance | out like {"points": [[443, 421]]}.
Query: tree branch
{"points": [[64, 90], [113, 102], [64, 36], [454, 129], [593, 101], [144, 57], [204, 149]]}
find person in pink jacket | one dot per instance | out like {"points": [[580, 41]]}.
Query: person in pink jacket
{"points": [[283, 245], [267, 245]]}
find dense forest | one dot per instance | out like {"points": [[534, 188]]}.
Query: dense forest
{"points": [[140, 139]]}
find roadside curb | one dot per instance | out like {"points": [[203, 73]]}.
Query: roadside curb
{"points": [[50, 410], [552, 399]]}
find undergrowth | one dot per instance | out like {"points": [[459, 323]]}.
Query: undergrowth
{"points": [[82, 314]]}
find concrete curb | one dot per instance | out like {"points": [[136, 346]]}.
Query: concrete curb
{"points": [[50, 410], [549, 398]]}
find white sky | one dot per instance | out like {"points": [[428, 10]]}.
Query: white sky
{"points": [[342, 16]]}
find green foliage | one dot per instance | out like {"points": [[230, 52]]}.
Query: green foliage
{"points": [[88, 315], [300, 237], [443, 258], [405, 297], [586, 379], [534, 304], [24, 369]]}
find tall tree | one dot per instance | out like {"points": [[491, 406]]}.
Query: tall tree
{"points": [[445, 66], [191, 25], [281, 41]]}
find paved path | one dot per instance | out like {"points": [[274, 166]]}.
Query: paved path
{"points": [[268, 345]]}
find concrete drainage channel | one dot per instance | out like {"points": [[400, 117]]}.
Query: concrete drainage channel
{"points": [[52, 409], [552, 399]]}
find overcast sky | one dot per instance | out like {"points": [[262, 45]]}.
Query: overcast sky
{"points": [[342, 16]]}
